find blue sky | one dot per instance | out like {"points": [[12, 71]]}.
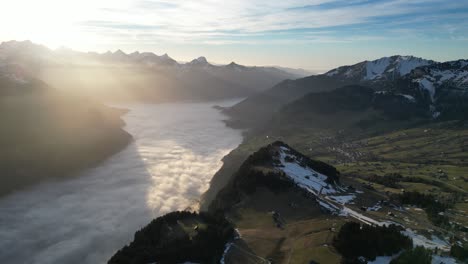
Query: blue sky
{"points": [[315, 34]]}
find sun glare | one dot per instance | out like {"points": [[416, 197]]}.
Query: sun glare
{"points": [[55, 23]]}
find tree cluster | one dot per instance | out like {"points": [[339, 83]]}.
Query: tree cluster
{"points": [[161, 241], [356, 240], [434, 208], [460, 252], [417, 255]]}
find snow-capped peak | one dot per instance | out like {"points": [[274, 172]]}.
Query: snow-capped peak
{"points": [[374, 69], [386, 68]]}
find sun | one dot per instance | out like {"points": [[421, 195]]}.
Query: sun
{"points": [[54, 23]]}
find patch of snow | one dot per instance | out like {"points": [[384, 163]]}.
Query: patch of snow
{"points": [[427, 85], [305, 177], [409, 97], [444, 75], [226, 250], [436, 259], [349, 72], [329, 207], [407, 63], [420, 240], [375, 208], [343, 199], [349, 212], [374, 69], [381, 92], [462, 77], [237, 234]]}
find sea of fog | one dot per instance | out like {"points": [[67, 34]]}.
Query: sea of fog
{"points": [[85, 219]]}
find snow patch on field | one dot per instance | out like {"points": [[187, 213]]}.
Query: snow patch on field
{"points": [[330, 207], [350, 212], [375, 208], [420, 240], [343, 199], [304, 176]]}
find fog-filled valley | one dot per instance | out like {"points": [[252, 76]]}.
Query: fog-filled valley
{"points": [[177, 148]]}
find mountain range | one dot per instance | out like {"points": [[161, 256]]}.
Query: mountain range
{"points": [[440, 88], [138, 76]]}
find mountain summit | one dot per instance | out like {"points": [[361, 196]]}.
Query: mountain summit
{"points": [[199, 61], [386, 68]]}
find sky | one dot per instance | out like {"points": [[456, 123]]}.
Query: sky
{"points": [[316, 35]]}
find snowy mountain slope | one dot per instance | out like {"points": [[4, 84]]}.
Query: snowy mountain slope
{"points": [[303, 176], [386, 68], [441, 87], [446, 76]]}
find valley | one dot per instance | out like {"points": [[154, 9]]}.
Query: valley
{"points": [[176, 149]]}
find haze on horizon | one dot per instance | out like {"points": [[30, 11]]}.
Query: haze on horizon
{"points": [[316, 35]]}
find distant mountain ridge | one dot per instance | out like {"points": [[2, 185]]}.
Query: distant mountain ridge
{"points": [[386, 68], [142, 76]]}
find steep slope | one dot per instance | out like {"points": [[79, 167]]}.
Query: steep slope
{"points": [[138, 76], [258, 109], [444, 86], [47, 134], [278, 168], [178, 237]]}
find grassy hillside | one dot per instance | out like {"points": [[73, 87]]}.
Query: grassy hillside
{"points": [[258, 109]]}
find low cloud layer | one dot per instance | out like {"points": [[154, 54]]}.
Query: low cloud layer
{"points": [[177, 150]]}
